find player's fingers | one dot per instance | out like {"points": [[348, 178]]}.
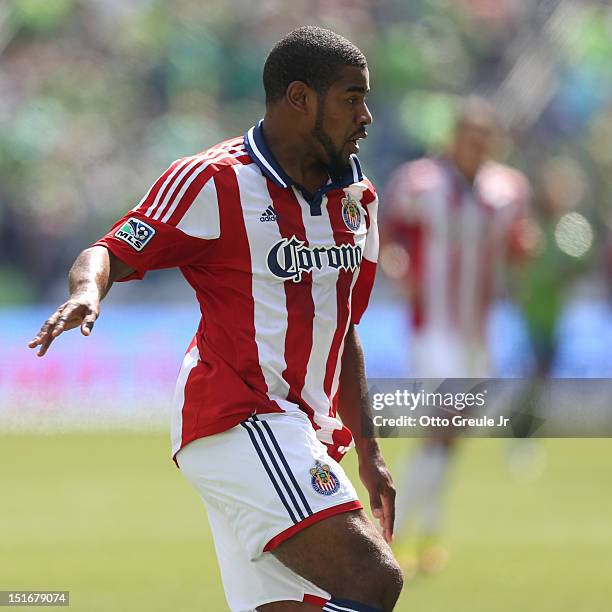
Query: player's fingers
{"points": [[380, 511], [42, 332], [56, 327], [60, 325], [34, 342], [388, 513], [72, 316], [45, 344], [376, 505], [48, 337], [88, 323], [46, 329]]}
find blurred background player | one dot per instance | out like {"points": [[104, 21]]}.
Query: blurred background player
{"points": [[563, 256], [452, 224]]}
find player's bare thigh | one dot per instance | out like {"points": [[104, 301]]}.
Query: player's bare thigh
{"points": [[347, 557]]}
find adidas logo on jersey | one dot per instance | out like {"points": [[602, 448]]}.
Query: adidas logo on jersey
{"points": [[269, 214]]}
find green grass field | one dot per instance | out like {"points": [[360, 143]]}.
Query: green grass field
{"points": [[110, 518]]}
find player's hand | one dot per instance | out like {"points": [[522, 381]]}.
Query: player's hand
{"points": [[379, 484], [79, 310]]}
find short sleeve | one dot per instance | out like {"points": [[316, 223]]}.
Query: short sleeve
{"points": [[173, 224], [403, 194], [508, 193], [367, 270]]}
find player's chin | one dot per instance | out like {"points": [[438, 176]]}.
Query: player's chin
{"points": [[340, 161], [351, 148]]}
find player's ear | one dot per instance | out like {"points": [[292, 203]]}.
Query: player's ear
{"points": [[300, 97]]}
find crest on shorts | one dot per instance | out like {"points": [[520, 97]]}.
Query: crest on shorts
{"points": [[351, 213], [323, 480], [136, 233]]}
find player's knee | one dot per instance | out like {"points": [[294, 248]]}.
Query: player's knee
{"points": [[393, 584], [376, 575], [378, 582], [385, 581], [358, 566]]}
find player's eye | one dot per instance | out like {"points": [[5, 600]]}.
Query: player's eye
{"points": [[356, 100]]}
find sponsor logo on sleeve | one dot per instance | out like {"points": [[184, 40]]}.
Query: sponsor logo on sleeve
{"points": [[136, 233]]}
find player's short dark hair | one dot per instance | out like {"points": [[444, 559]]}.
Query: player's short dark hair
{"points": [[309, 54]]}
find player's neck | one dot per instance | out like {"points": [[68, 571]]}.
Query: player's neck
{"points": [[289, 150], [467, 171]]}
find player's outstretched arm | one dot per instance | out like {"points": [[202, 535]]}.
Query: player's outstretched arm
{"points": [[354, 409], [89, 280]]}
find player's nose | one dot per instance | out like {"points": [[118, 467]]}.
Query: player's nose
{"points": [[366, 116]]}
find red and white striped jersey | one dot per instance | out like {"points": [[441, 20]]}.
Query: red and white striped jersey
{"points": [[279, 276], [456, 235]]}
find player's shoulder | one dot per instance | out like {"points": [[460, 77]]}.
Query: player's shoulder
{"points": [[421, 174], [190, 179], [214, 159], [369, 194], [493, 170], [498, 182], [221, 155]]}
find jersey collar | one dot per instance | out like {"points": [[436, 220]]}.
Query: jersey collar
{"points": [[257, 148]]}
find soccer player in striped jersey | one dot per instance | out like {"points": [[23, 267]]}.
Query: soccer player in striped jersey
{"points": [[276, 232], [458, 219]]}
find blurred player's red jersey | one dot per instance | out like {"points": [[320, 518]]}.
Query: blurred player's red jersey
{"points": [[278, 279], [456, 235]]}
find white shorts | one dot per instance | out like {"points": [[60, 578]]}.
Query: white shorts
{"points": [[261, 482], [438, 353]]}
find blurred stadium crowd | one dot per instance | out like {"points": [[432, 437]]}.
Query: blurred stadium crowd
{"points": [[98, 96]]}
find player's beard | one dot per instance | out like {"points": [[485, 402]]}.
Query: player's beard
{"points": [[336, 164]]}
